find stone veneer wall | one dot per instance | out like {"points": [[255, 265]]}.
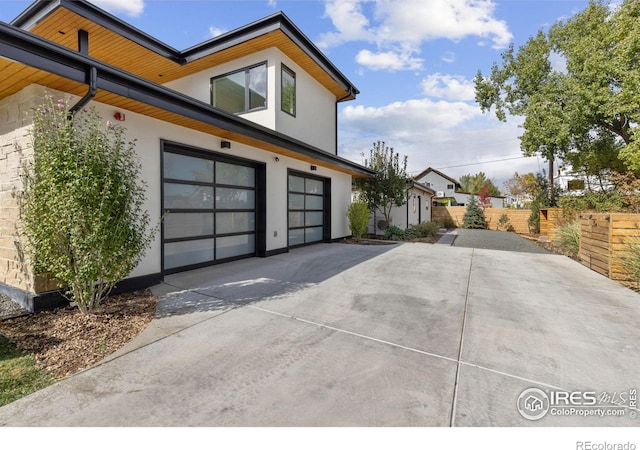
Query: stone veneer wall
{"points": [[16, 280]]}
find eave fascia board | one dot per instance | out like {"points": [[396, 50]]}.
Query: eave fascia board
{"points": [[277, 21], [41, 8], [26, 48]]}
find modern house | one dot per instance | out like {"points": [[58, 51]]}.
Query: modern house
{"points": [[448, 190], [237, 136]]}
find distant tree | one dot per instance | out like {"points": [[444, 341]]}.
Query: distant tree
{"points": [[522, 187], [388, 188], [472, 184], [483, 196], [474, 216], [541, 200]]}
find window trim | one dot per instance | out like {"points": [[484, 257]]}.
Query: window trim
{"points": [[291, 73], [247, 90]]}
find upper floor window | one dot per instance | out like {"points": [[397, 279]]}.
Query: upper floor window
{"points": [[450, 186], [288, 91], [241, 91]]}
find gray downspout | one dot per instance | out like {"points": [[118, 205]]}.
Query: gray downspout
{"points": [[91, 93], [92, 74]]}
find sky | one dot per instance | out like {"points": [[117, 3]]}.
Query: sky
{"points": [[412, 60]]}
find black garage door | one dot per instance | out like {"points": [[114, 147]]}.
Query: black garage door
{"points": [[210, 208], [309, 209]]}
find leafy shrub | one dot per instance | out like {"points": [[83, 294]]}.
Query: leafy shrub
{"points": [[569, 237], [82, 205], [358, 214], [426, 229], [394, 233], [410, 234], [474, 216], [446, 222]]}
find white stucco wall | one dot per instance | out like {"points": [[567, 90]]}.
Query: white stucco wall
{"points": [[315, 120]]}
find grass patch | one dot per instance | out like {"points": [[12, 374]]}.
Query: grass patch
{"points": [[19, 374]]}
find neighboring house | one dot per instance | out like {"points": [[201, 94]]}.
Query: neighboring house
{"points": [[448, 190], [237, 136], [415, 211]]}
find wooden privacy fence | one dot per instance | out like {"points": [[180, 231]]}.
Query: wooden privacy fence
{"points": [[518, 218], [604, 242]]}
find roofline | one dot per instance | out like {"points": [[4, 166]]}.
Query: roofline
{"points": [[423, 187], [34, 51], [431, 169], [277, 21]]}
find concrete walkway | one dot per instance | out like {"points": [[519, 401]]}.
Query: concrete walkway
{"points": [[345, 335]]}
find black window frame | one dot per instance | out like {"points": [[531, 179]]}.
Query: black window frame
{"points": [[247, 90], [292, 74]]}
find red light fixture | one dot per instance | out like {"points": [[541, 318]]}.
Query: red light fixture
{"points": [[119, 116]]}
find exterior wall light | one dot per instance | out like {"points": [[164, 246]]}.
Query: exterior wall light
{"points": [[225, 144]]}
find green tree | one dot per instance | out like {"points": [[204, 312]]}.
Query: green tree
{"points": [[474, 215], [82, 206], [596, 93], [388, 188]]}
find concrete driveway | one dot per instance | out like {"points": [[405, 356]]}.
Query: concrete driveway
{"points": [[342, 335]]}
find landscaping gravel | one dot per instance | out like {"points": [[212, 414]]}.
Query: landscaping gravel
{"points": [[496, 240], [10, 309]]}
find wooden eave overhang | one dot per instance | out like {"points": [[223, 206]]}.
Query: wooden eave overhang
{"points": [[121, 45], [27, 59]]}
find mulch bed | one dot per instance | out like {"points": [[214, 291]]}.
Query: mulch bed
{"points": [[65, 341]]}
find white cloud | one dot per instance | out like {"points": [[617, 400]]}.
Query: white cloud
{"points": [[399, 27], [419, 20], [350, 23], [131, 8], [388, 61], [449, 57], [215, 31], [448, 87], [271, 3]]}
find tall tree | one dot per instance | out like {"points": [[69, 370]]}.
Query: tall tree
{"points": [[596, 92], [389, 186]]}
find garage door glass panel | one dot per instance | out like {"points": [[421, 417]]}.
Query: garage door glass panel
{"points": [[296, 219], [313, 219], [313, 234], [296, 237], [182, 225], [228, 198], [296, 201], [313, 186], [236, 222], [232, 246], [177, 254], [313, 202], [296, 184], [188, 168], [235, 175], [187, 196]]}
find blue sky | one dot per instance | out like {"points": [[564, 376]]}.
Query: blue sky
{"points": [[412, 60]]}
